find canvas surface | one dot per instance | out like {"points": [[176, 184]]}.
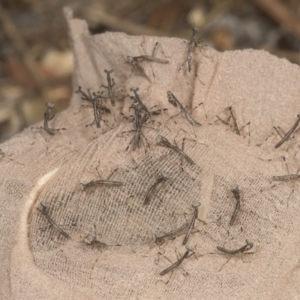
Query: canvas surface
{"points": [[39, 262]]}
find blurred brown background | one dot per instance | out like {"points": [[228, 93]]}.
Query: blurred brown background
{"points": [[36, 63]]}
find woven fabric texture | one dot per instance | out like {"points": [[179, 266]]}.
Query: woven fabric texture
{"points": [[105, 247]]}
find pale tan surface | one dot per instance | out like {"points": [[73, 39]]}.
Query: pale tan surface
{"points": [[38, 263]]}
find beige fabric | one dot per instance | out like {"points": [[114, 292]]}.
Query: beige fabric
{"points": [[39, 263]]}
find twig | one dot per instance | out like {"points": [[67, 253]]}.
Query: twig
{"points": [[96, 15], [13, 34], [281, 13]]}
